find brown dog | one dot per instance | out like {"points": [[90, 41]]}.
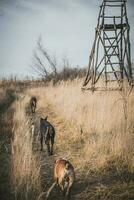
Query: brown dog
{"points": [[64, 176]]}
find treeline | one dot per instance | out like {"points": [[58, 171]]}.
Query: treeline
{"points": [[67, 73]]}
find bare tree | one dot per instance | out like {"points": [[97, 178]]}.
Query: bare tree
{"points": [[44, 64], [51, 60]]}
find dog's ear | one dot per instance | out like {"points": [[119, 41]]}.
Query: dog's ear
{"points": [[46, 118], [57, 160]]}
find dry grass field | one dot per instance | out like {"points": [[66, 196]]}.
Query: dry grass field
{"points": [[100, 125], [93, 130]]}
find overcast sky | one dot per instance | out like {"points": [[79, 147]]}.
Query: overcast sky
{"points": [[66, 26]]}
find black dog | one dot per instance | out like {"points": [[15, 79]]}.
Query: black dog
{"points": [[47, 132], [33, 104]]}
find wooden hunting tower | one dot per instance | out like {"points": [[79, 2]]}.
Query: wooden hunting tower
{"points": [[110, 56]]}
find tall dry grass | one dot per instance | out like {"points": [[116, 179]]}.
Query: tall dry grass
{"points": [[100, 124], [25, 167]]}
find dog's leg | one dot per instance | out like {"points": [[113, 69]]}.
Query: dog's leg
{"points": [[41, 143], [67, 195], [48, 147], [68, 191], [52, 143], [34, 106]]}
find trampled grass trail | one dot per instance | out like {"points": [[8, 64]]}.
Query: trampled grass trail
{"points": [[61, 150]]}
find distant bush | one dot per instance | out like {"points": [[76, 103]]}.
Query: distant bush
{"points": [[67, 73]]}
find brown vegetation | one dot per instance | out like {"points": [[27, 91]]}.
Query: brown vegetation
{"points": [[7, 96], [25, 168], [93, 130], [101, 123]]}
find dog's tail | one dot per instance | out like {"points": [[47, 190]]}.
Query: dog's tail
{"points": [[50, 190], [47, 193]]}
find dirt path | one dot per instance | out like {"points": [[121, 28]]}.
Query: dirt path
{"points": [[47, 163]]}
